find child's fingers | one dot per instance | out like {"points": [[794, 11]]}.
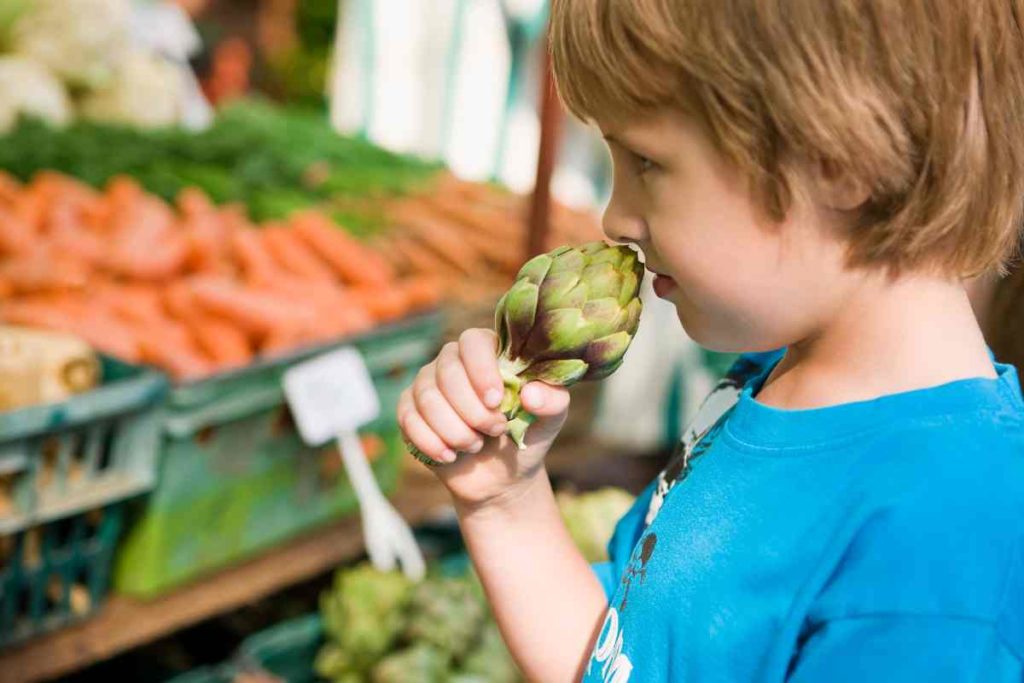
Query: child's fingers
{"points": [[478, 349], [417, 432], [454, 384], [439, 414], [544, 400]]}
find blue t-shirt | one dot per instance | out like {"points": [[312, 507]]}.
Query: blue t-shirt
{"points": [[873, 541]]}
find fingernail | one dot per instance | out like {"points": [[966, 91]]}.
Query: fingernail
{"points": [[475, 447], [448, 455], [497, 430], [533, 396], [492, 398]]}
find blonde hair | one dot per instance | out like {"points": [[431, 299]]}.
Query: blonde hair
{"points": [[922, 101]]}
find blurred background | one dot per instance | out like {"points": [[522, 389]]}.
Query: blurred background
{"points": [[197, 196]]}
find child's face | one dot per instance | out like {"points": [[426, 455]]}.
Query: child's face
{"points": [[739, 281]]}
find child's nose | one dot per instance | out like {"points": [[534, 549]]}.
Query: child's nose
{"points": [[622, 226]]}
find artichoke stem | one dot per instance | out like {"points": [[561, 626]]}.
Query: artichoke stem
{"points": [[517, 427], [511, 406]]}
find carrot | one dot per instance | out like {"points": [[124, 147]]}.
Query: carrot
{"points": [[194, 203], [122, 191], [181, 362], [207, 239], [161, 260], [41, 270], [257, 264], [438, 235], [336, 313], [67, 236], [353, 262], [10, 187], [84, 318], [293, 254], [6, 289], [35, 314], [257, 313], [222, 342], [16, 235], [382, 303], [422, 292], [134, 303], [421, 260], [488, 231], [30, 208], [281, 340]]}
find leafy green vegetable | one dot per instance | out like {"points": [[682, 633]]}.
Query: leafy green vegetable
{"points": [[275, 160]]}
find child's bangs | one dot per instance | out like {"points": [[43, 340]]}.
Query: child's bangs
{"points": [[604, 68]]}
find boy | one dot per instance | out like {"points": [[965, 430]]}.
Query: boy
{"points": [[815, 176]]}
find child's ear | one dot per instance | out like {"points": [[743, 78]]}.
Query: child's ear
{"points": [[837, 188]]}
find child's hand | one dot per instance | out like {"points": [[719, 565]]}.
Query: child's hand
{"points": [[452, 408]]}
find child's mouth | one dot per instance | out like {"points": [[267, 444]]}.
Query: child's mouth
{"points": [[664, 285]]}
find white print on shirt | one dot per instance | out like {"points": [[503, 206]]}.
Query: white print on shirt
{"points": [[615, 666], [718, 403]]}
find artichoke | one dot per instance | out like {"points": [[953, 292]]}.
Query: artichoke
{"points": [[446, 613], [364, 614], [591, 519], [421, 662], [570, 316]]}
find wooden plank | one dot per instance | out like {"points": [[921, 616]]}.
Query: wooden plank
{"points": [[539, 217], [125, 623]]}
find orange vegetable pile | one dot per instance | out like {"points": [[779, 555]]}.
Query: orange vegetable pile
{"points": [[471, 237], [193, 289]]}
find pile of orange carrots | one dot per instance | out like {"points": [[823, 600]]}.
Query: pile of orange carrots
{"points": [[193, 288], [471, 237]]}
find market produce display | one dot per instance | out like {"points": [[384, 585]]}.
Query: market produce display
{"points": [[192, 288], [383, 628], [276, 161], [65, 58]]}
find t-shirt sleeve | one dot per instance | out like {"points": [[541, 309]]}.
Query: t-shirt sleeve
{"points": [[906, 648], [627, 532]]}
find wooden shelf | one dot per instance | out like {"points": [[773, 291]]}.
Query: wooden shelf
{"points": [[124, 623]]}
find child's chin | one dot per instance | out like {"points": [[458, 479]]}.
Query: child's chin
{"points": [[709, 338]]}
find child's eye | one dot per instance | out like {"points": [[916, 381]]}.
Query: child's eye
{"points": [[644, 165]]}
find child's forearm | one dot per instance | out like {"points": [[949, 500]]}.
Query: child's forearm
{"points": [[546, 599]]}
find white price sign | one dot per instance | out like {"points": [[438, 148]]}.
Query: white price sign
{"points": [[330, 395]]}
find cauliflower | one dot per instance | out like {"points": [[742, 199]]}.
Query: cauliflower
{"points": [[81, 41], [145, 90], [28, 88]]}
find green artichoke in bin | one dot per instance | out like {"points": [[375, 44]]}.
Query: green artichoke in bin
{"points": [[570, 316], [446, 613], [422, 663], [364, 614]]}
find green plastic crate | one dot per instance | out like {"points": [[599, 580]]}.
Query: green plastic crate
{"points": [[65, 470], [57, 573], [234, 477], [94, 448]]}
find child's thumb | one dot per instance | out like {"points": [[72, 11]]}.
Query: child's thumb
{"points": [[544, 400]]}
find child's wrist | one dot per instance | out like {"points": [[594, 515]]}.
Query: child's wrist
{"points": [[525, 492]]}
